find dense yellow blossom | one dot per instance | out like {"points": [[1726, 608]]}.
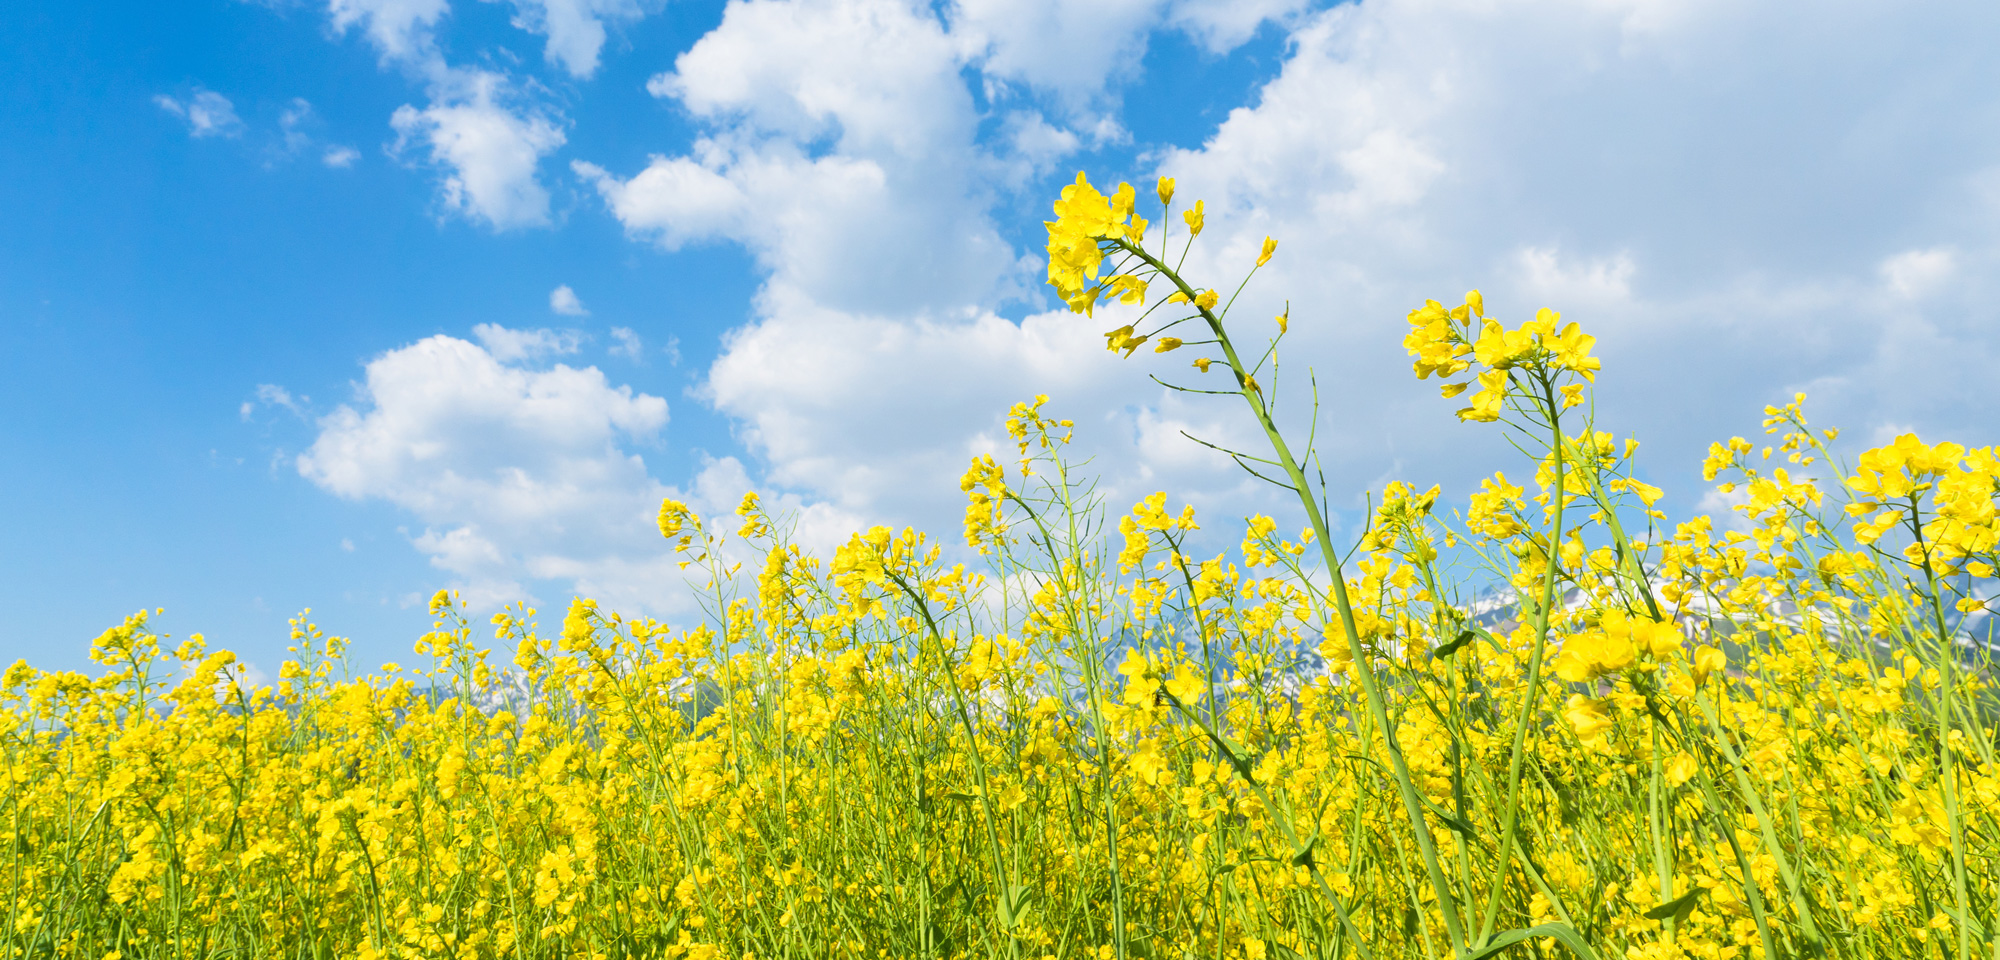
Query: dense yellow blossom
{"points": [[1541, 718]]}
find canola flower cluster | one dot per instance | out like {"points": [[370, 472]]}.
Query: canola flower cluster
{"points": [[1654, 740]]}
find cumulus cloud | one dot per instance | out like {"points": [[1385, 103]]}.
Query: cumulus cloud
{"points": [[486, 145], [1714, 218], [575, 28], [1076, 50], [528, 480], [485, 133], [842, 152], [519, 475], [403, 31], [1801, 218], [563, 300], [207, 113], [1735, 208]]}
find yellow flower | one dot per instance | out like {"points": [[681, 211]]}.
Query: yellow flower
{"points": [[1587, 656], [1435, 342], [1679, 770], [1127, 288], [1166, 344], [1586, 717], [1166, 189], [1085, 301], [1186, 685], [1085, 218], [1194, 218], [1285, 320], [1207, 299], [673, 518], [1487, 403], [1501, 348], [1202, 364], [1571, 350], [1707, 660], [1270, 247], [1123, 339]]}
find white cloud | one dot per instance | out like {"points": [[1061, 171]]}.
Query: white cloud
{"points": [[1600, 282], [490, 152], [518, 475], [295, 137], [486, 133], [292, 123], [1035, 145], [1071, 49], [627, 345], [1224, 25], [401, 30], [1712, 216], [1081, 53], [207, 113], [1736, 208], [1075, 50], [575, 28], [272, 395], [563, 300], [1915, 273], [509, 345], [842, 153]]}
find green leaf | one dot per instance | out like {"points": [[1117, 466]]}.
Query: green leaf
{"points": [[1562, 933], [1677, 908], [1457, 643], [1012, 904], [1304, 858], [1458, 826]]}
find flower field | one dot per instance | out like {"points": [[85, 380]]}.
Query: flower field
{"points": [[1549, 721]]}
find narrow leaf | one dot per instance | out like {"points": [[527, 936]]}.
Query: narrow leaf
{"points": [[1457, 643], [1677, 908], [1562, 933]]}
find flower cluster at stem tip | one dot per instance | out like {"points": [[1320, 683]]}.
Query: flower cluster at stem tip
{"points": [[1444, 342]]}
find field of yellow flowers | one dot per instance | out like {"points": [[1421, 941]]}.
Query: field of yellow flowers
{"points": [[1545, 722]]}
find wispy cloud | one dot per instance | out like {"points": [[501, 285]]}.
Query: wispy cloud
{"points": [[627, 343], [508, 345], [207, 113]]}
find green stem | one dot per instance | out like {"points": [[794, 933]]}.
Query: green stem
{"points": [[1552, 558], [1364, 670], [1947, 762]]}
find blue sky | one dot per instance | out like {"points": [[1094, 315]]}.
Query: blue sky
{"points": [[279, 281]]}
